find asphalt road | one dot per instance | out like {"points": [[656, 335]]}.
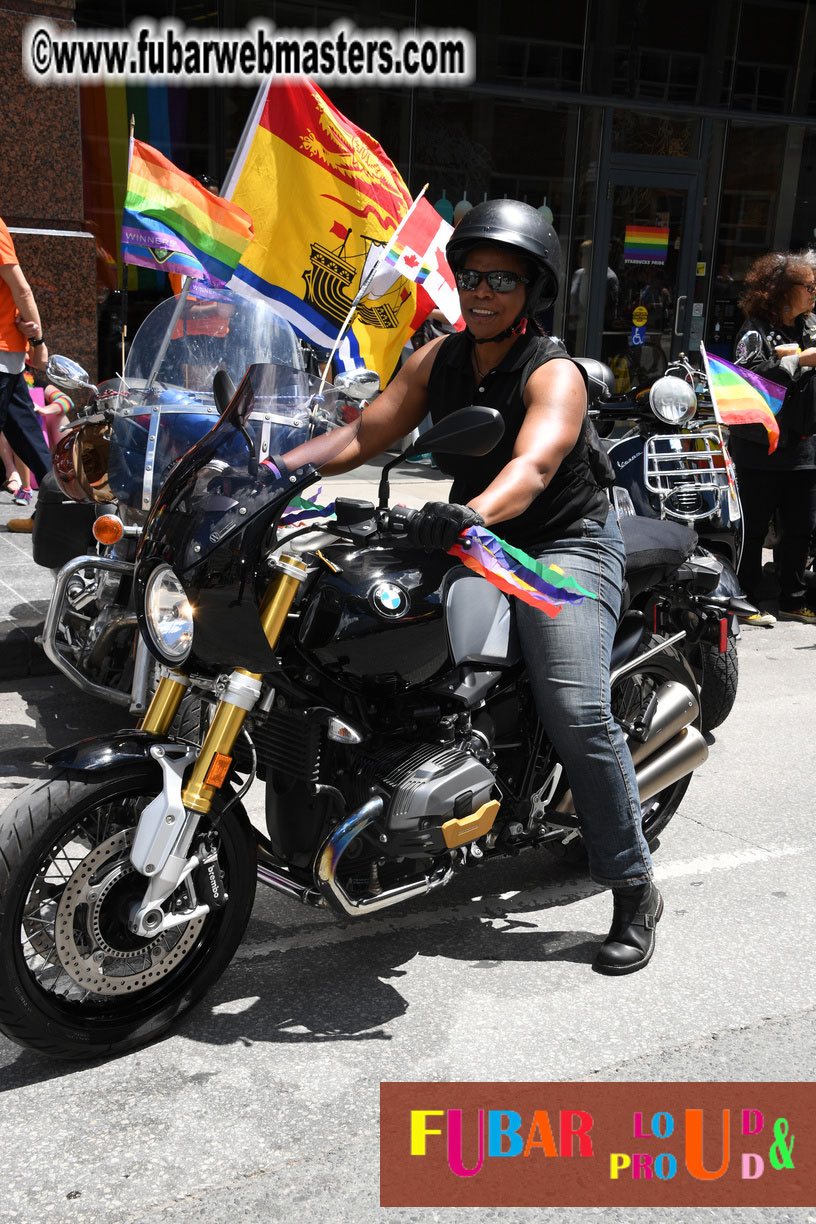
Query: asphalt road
{"points": [[263, 1104]]}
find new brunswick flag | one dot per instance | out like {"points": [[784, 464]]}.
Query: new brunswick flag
{"points": [[324, 198]]}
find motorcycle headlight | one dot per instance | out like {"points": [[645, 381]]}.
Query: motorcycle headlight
{"points": [[168, 615], [672, 400]]}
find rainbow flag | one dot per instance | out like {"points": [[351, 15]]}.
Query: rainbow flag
{"points": [[173, 223], [645, 244], [326, 198], [741, 397]]}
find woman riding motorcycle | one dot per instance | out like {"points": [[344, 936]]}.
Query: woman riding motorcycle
{"points": [[536, 490]]}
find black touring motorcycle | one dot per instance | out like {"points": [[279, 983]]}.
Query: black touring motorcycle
{"points": [[375, 689]]}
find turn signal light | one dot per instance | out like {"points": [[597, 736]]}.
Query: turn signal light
{"points": [[108, 529]]}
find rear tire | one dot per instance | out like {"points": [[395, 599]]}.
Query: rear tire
{"points": [[717, 675], [630, 695], [74, 981]]}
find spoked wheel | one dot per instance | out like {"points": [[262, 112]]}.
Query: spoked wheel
{"points": [[75, 982], [630, 697]]}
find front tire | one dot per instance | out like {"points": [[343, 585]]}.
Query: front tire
{"points": [[630, 696], [74, 982]]}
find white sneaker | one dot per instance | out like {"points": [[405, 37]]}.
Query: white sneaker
{"points": [[761, 620]]}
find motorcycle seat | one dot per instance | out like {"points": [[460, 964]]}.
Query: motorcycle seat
{"points": [[654, 547]]}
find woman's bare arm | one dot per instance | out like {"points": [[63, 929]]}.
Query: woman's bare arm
{"points": [[393, 414], [555, 398]]}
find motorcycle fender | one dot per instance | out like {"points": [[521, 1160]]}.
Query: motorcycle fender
{"points": [[729, 583], [106, 752]]}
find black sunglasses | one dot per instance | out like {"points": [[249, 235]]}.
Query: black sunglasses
{"points": [[499, 282], [810, 286]]}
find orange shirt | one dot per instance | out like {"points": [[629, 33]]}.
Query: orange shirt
{"points": [[11, 340], [213, 320]]}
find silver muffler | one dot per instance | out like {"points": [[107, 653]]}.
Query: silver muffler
{"points": [[672, 749], [679, 757]]}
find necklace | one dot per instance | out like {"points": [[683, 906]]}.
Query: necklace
{"points": [[481, 374]]}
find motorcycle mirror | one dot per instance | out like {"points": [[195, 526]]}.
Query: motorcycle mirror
{"points": [[469, 431], [68, 375], [223, 390], [358, 384]]}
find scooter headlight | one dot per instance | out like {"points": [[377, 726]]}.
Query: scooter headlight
{"points": [[168, 615], [672, 400]]}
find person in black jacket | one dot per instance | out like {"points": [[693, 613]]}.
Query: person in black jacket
{"points": [[778, 341]]}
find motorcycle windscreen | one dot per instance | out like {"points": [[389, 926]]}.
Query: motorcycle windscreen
{"points": [[279, 430], [149, 436], [219, 332]]}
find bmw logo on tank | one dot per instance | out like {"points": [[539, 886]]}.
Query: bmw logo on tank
{"points": [[388, 599]]}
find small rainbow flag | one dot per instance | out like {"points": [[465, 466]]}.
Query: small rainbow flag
{"points": [[172, 222], [646, 244], [741, 397]]}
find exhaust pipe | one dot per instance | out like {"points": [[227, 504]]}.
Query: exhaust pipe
{"points": [[672, 748], [679, 757], [677, 706], [328, 861]]}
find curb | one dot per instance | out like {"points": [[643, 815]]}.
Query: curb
{"points": [[20, 656]]}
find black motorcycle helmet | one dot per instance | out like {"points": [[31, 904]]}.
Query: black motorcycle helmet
{"points": [[522, 229]]}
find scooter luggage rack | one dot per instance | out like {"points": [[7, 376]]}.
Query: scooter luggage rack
{"points": [[681, 468]]}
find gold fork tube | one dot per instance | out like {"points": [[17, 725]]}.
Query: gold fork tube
{"points": [[229, 717], [220, 738], [163, 706], [279, 595]]}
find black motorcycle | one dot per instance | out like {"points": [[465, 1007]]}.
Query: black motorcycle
{"points": [[376, 689]]}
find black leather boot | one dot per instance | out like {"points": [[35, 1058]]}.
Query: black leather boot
{"points": [[631, 939]]}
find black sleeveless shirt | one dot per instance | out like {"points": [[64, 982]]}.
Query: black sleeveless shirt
{"points": [[573, 493]]}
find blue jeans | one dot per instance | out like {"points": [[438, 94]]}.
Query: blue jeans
{"points": [[568, 662]]}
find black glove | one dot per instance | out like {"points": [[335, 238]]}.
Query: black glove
{"points": [[439, 524]]}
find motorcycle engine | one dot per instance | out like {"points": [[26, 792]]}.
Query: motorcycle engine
{"points": [[425, 789]]}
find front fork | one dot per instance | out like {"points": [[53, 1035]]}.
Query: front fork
{"points": [[168, 824]]}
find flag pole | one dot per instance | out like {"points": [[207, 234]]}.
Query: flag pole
{"points": [[718, 421], [242, 148], [124, 265], [717, 417], [232, 176], [361, 292]]}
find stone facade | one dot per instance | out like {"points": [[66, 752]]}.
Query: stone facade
{"points": [[41, 194]]}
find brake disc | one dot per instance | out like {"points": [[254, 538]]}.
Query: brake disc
{"points": [[91, 937]]}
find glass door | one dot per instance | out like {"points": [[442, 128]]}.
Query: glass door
{"points": [[639, 315]]}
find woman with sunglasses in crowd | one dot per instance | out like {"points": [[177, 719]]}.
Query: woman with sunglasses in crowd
{"points": [[535, 489], [778, 341]]}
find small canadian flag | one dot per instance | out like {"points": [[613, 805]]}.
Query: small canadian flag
{"points": [[418, 253]]}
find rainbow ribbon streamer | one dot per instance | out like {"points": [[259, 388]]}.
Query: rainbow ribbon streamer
{"points": [[542, 586], [514, 572], [301, 509]]}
